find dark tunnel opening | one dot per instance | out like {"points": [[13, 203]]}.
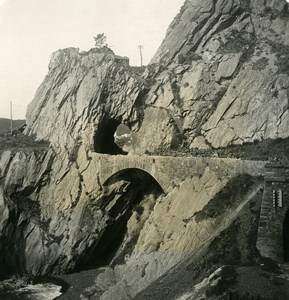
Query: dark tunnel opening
{"points": [[286, 237], [111, 138], [123, 192]]}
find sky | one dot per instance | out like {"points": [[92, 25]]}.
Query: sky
{"points": [[30, 30]]}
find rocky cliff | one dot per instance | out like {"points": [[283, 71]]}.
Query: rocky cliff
{"points": [[226, 75], [220, 78]]}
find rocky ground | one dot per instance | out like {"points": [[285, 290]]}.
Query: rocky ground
{"points": [[77, 283]]}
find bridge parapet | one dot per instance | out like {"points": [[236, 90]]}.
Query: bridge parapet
{"points": [[169, 170]]}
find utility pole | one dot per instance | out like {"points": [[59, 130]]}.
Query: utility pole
{"points": [[140, 47], [11, 119]]}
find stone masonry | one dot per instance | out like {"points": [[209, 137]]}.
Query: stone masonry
{"points": [[271, 232]]}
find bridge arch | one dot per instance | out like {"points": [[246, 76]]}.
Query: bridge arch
{"points": [[133, 175], [157, 168], [125, 189]]}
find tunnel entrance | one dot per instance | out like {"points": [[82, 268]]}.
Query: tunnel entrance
{"points": [[122, 194], [286, 237], [112, 137]]}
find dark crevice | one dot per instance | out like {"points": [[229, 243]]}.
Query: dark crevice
{"points": [[12, 245], [114, 234], [230, 20], [123, 193]]}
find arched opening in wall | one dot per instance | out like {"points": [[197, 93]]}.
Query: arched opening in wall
{"points": [[124, 193], [286, 237], [112, 137]]}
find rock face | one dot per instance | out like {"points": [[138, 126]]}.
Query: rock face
{"points": [[82, 93], [219, 78], [226, 67]]}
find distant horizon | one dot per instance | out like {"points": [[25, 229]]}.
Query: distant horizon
{"points": [[5, 125], [12, 119], [32, 31]]}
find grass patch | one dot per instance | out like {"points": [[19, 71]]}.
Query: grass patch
{"points": [[260, 64], [282, 54], [5, 125], [20, 141], [231, 194], [274, 150], [237, 41]]}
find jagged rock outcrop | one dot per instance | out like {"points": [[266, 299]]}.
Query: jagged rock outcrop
{"points": [[86, 95], [219, 78], [80, 91], [226, 71]]}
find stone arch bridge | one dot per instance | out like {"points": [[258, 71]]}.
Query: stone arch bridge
{"points": [[273, 232], [168, 170]]}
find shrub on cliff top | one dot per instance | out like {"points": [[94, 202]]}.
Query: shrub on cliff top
{"points": [[100, 40]]}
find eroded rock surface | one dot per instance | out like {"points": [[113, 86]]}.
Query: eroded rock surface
{"points": [[225, 66]]}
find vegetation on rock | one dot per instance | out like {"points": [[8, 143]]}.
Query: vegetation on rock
{"points": [[100, 40]]}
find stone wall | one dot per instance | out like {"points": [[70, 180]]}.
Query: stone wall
{"points": [[270, 234], [169, 171]]}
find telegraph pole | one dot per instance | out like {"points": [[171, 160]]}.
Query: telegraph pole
{"points": [[11, 119], [140, 47]]}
